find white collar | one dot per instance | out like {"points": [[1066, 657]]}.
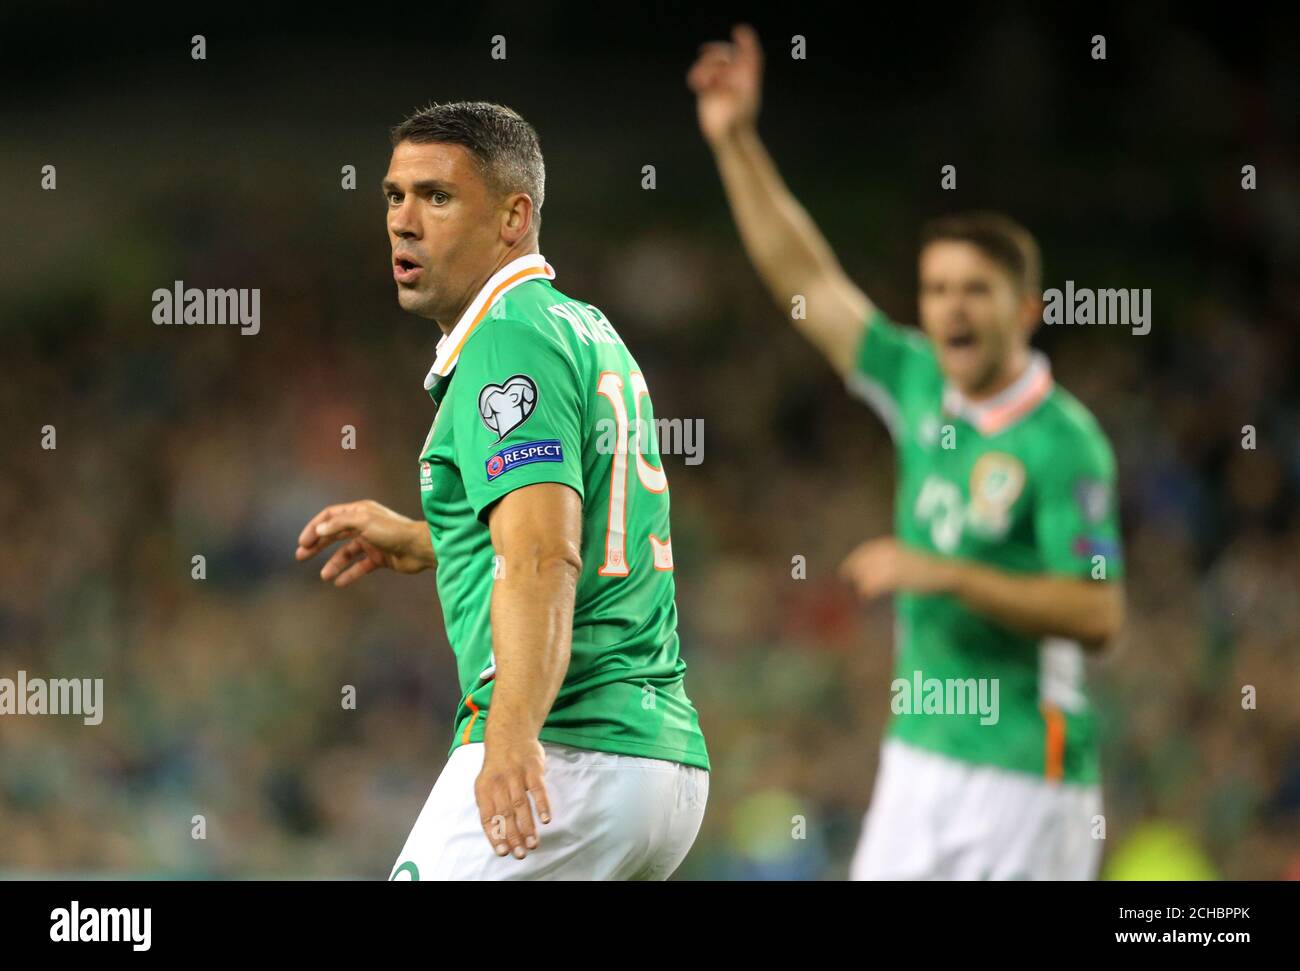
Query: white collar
{"points": [[1009, 405], [533, 266]]}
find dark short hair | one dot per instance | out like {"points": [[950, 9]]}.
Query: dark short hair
{"points": [[505, 146], [1001, 238]]}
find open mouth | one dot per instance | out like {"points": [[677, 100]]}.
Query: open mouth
{"points": [[405, 269], [960, 341]]}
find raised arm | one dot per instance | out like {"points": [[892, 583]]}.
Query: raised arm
{"points": [[785, 245]]}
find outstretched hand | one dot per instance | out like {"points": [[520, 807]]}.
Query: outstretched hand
{"points": [[377, 538]]}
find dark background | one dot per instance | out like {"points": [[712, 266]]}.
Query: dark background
{"points": [[222, 696]]}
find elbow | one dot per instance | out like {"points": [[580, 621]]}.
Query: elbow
{"points": [[1103, 625], [563, 556], [567, 562], [563, 559]]}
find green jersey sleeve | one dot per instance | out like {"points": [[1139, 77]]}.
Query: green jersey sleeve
{"points": [[1076, 522], [522, 422], [891, 359]]}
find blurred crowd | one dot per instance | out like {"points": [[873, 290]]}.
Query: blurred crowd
{"points": [[223, 695]]}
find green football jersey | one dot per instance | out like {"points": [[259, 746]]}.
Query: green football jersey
{"points": [[1023, 482], [531, 387]]}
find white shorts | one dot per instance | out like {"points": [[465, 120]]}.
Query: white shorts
{"points": [[613, 817], [936, 818]]}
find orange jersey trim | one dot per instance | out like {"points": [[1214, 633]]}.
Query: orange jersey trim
{"points": [[469, 726], [478, 319], [1054, 743]]}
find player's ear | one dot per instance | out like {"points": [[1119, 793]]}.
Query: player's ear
{"points": [[516, 217]]}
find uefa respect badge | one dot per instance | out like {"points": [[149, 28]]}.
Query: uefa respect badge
{"points": [[503, 461]]}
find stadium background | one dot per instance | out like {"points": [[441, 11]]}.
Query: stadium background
{"points": [[222, 696]]}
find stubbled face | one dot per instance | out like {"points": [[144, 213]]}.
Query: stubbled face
{"points": [[972, 312], [442, 228]]}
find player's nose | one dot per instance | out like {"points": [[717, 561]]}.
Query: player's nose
{"points": [[402, 222]]}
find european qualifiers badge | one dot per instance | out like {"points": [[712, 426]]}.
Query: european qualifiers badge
{"points": [[504, 407]]}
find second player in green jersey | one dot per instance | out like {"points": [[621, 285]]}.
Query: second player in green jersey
{"points": [[1023, 482]]}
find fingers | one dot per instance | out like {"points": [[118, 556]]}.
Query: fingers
{"points": [[853, 571], [494, 828], [330, 524], [500, 815], [525, 828], [748, 51], [716, 50], [866, 568], [307, 539], [362, 565], [716, 57], [341, 559], [537, 789], [712, 61], [850, 565], [705, 73], [506, 810], [343, 522]]}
